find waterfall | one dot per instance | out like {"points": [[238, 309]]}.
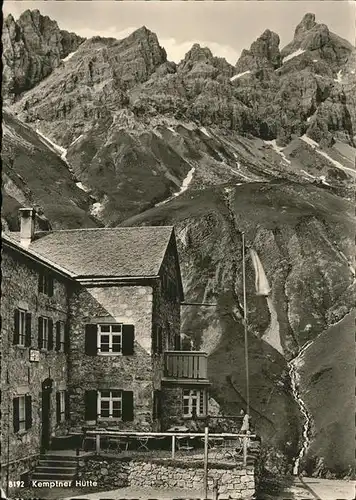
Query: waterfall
{"points": [[261, 282], [272, 334]]}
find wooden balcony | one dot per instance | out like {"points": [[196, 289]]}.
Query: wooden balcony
{"points": [[186, 367]]}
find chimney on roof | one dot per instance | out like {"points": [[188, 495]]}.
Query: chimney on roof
{"points": [[27, 225]]}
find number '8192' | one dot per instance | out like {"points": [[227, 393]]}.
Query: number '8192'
{"points": [[16, 484]]}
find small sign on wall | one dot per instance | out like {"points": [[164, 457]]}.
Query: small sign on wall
{"points": [[34, 355]]}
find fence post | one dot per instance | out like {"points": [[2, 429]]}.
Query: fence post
{"points": [[206, 442], [97, 444], [173, 446], [245, 441]]}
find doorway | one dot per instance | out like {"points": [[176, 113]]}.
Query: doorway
{"points": [[46, 414]]}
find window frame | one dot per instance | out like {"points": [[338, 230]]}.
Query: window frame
{"points": [[22, 327], [45, 332], [61, 336], [111, 399], [22, 408], [200, 400], [62, 406], [46, 283], [110, 334]]}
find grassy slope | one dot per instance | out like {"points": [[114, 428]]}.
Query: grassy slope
{"points": [[39, 177], [328, 379]]}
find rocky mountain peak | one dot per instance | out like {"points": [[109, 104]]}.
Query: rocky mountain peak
{"points": [[316, 38], [198, 53], [32, 47], [263, 53], [306, 24]]}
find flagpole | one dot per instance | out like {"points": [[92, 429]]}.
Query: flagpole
{"points": [[245, 325]]}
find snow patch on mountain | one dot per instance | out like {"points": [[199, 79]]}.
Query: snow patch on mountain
{"points": [[239, 75], [186, 182], [205, 132], [69, 56], [76, 140], [296, 53], [278, 150], [321, 178], [56, 148], [338, 77], [317, 149], [81, 186]]}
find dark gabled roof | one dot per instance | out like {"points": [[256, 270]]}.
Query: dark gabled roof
{"points": [[105, 252]]}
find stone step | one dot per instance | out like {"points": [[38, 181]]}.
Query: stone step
{"points": [[52, 476], [58, 457], [56, 463], [55, 470]]}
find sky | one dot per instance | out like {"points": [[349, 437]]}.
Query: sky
{"points": [[225, 27]]}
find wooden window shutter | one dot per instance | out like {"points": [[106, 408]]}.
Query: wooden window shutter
{"points": [[90, 401], [28, 339], [127, 406], [58, 407], [128, 338], [66, 409], [177, 342], [66, 337], [91, 338], [58, 336], [40, 332], [16, 326], [50, 334], [16, 414], [154, 338], [28, 411], [50, 286], [157, 405], [40, 282], [159, 340]]}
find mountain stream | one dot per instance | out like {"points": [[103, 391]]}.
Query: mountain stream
{"points": [[272, 337], [294, 364]]}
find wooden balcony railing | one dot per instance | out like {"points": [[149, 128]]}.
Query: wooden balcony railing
{"points": [[191, 365]]}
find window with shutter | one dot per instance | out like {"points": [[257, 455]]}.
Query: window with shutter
{"points": [[19, 413], [109, 339], [60, 406], [194, 402], [110, 404], [60, 336], [43, 333], [128, 339], [20, 327], [90, 405], [46, 284]]}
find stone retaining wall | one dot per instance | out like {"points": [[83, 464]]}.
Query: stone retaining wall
{"points": [[109, 473], [231, 481]]}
